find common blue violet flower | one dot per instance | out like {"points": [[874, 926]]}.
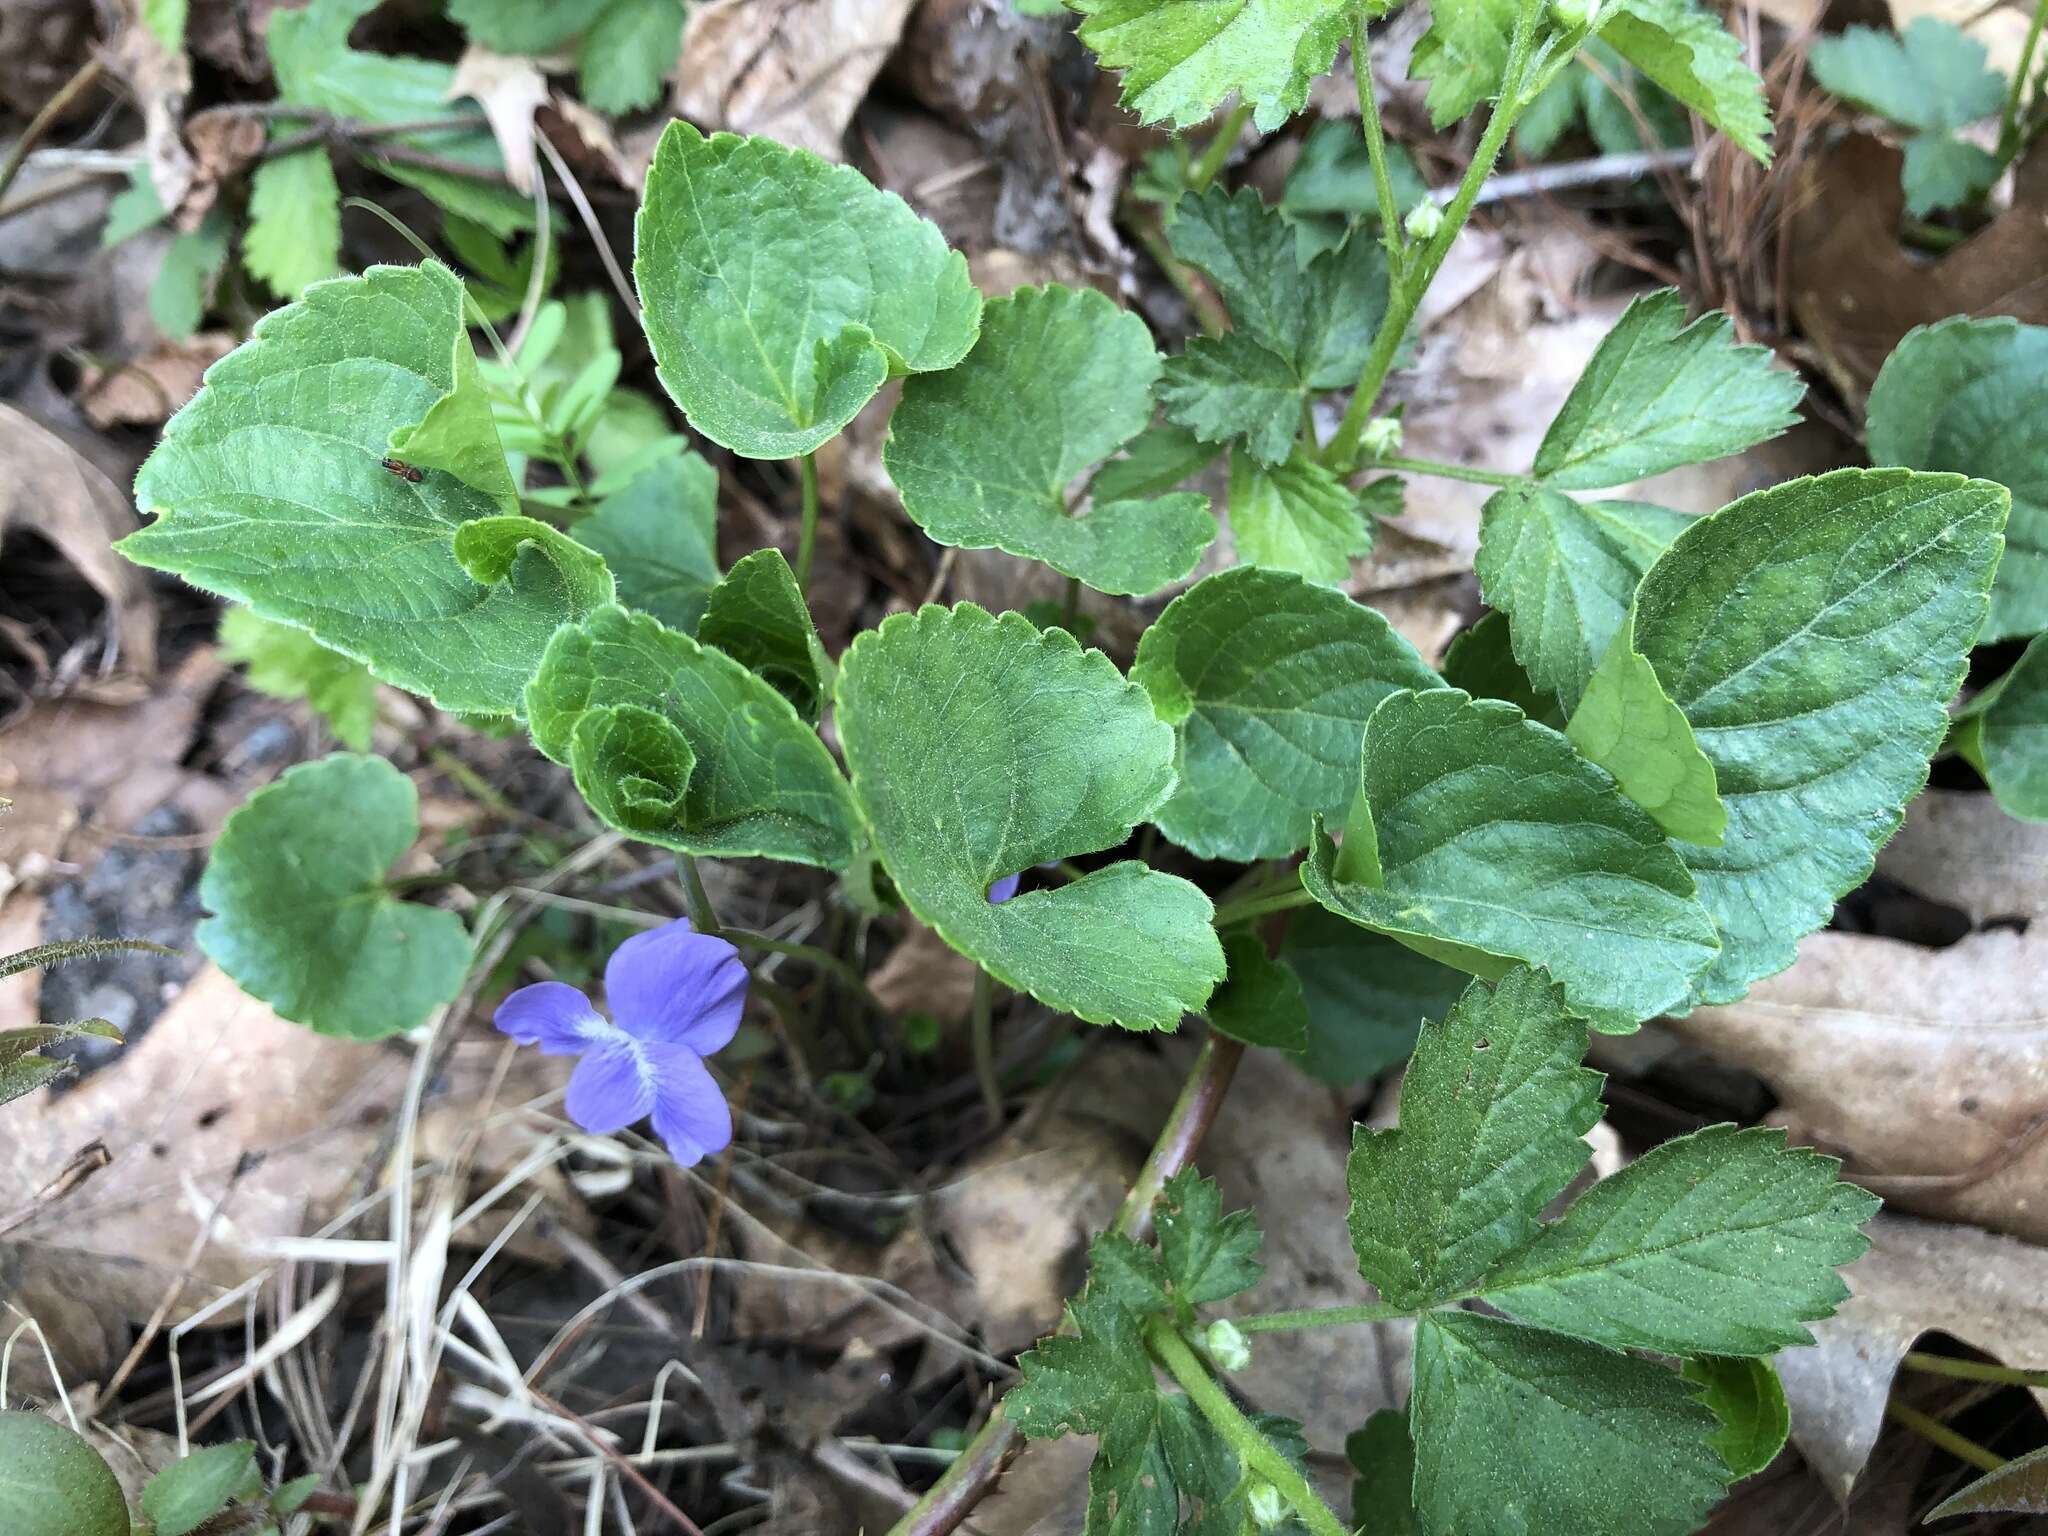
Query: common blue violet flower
{"points": [[1004, 889], [676, 996]]}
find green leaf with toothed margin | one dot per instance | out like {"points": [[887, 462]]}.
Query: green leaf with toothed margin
{"points": [[758, 617], [1181, 61], [1687, 50], [1749, 1400]]}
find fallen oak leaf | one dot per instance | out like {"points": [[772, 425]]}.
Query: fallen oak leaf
{"points": [[1961, 849]]}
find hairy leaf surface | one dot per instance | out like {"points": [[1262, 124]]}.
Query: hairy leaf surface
{"points": [[1297, 517], [1181, 58], [1628, 725], [1687, 50], [758, 617], [1745, 1394]]}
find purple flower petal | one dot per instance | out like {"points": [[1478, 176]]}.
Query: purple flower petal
{"points": [[677, 986], [612, 1086], [690, 1114], [1004, 889], [552, 1015]]}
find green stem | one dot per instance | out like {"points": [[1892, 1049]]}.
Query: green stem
{"points": [[1144, 228], [1973, 1370], [1442, 470], [1254, 1450], [1937, 1433], [807, 539], [984, 1041], [1318, 1317], [702, 916], [1420, 270], [1249, 907], [1219, 147], [1376, 143], [1071, 609], [2009, 119]]}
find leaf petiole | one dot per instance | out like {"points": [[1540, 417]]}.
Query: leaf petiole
{"points": [[1973, 1370], [1442, 471], [1219, 146], [807, 538], [1319, 1317], [1254, 1450], [1376, 145], [1261, 906]]}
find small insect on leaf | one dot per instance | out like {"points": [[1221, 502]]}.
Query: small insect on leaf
{"points": [[405, 471]]}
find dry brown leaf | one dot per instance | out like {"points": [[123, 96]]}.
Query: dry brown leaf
{"points": [[1925, 1069], [145, 391], [510, 88], [224, 143], [585, 140], [1918, 1277], [51, 489], [792, 69], [158, 81], [925, 974], [1961, 849]]}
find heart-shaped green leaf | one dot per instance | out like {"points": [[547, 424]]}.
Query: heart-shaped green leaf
{"points": [[302, 916], [979, 747], [1628, 725], [983, 454], [1267, 681], [683, 747], [659, 536], [1813, 635], [52, 1483], [1480, 838], [758, 617], [270, 487], [781, 290]]}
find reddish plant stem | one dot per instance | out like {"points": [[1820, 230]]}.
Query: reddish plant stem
{"points": [[973, 1476]]}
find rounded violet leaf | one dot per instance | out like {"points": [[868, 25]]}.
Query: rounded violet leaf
{"points": [[675, 986], [552, 1015], [612, 1086], [690, 1113]]}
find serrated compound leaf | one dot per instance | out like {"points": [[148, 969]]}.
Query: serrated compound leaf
{"points": [[1130, 1274], [1813, 635], [1933, 76], [1158, 459], [1944, 172], [53, 1483], [1481, 838], [1724, 1242], [1462, 55], [659, 537], [1366, 995], [627, 52], [1228, 388], [1659, 393], [193, 1489], [1268, 681], [1181, 61], [2005, 735], [983, 453], [1519, 1431], [1693, 56], [2020, 1487], [1383, 1458], [681, 746], [1972, 396], [23, 1075], [1628, 725], [523, 26], [1481, 661], [1095, 1379], [288, 663], [302, 917], [17, 1043], [1564, 572], [1208, 1255], [1297, 517], [781, 290], [980, 747], [758, 617], [1494, 1109], [269, 487], [1744, 1393], [293, 239], [1260, 1001]]}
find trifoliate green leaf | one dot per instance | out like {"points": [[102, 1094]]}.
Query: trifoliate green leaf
{"points": [[1228, 387], [983, 454], [1462, 55], [1181, 61], [1813, 634], [1931, 78], [1747, 1397], [294, 234], [192, 1490], [2021, 1486], [1481, 838], [1723, 1242], [683, 747], [1366, 995], [1659, 393], [1950, 397], [627, 52], [1267, 681], [1628, 725], [1686, 50], [302, 918], [1298, 517], [1208, 1255], [522, 26], [781, 290], [53, 1483], [270, 488], [758, 617], [659, 536], [1383, 1457], [2005, 735], [1158, 459], [979, 747], [288, 663], [1518, 1431], [1563, 572], [1260, 1000], [1481, 660], [1494, 1107]]}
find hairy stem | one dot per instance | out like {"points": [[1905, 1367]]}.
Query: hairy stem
{"points": [[1319, 1317], [1254, 1450], [1218, 150], [984, 1043], [1419, 268], [2009, 119], [807, 538], [1935, 1432], [1376, 143], [971, 1478], [1261, 906], [1442, 470], [1973, 1370], [703, 917]]}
